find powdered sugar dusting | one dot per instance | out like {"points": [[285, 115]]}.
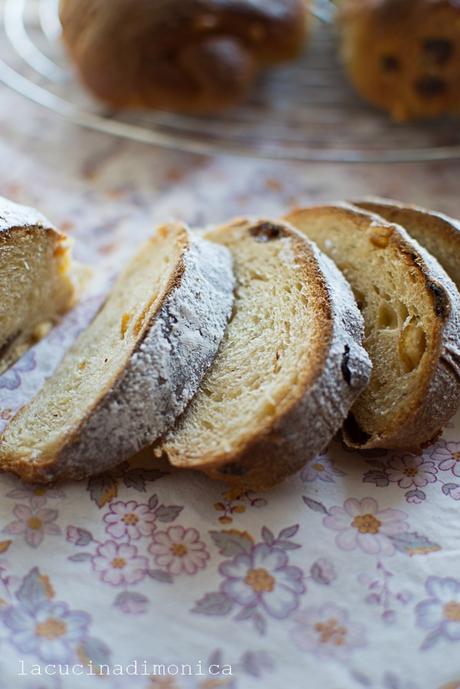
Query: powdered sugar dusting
{"points": [[164, 372], [267, 456], [14, 215]]}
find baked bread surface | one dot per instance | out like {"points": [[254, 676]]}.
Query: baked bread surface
{"points": [[404, 55], [134, 369], [186, 55], [437, 232], [36, 286], [289, 368], [411, 311]]}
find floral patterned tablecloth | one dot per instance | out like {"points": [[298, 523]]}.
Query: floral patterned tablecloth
{"points": [[347, 576]]}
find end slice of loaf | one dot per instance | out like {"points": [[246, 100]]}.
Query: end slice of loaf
{"points": [[135, 368], [289, 368], [411, 311], [437, 232], [36, 285]]}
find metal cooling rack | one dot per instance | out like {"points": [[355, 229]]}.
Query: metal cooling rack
{"points": [[303, 111]]}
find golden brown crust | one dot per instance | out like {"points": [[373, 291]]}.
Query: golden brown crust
{"points": [[311, 414], [402, 55], [437, 232], [437, 394], [186, 55]]}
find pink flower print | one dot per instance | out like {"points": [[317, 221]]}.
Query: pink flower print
{"points": [[362, 525], [38, 494], [327, 632], [447, 454], [179, 550], [119, 563], [263, 578], [129, 519], [11, 379], [34, 523], [320, 469], [410, 471], [323, 572]]}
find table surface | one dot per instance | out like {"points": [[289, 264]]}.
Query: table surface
{"points": [[291, 588]]}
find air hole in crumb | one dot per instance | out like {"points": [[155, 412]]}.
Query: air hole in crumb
{"points": [[266, 232], [403, 312], [430, 86], [411, 347], [390, 63], [440, 50], [354, 431], [8, 342], [346, 373], [386, 317]]}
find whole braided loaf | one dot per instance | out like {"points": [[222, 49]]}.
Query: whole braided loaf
{"points": [[185, 55]]}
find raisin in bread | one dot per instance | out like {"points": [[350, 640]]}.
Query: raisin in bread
{"points": [[290, 365], [134, 369], [36, 285], [435, 231], [184, 55], [411, 311], [402, 55]]}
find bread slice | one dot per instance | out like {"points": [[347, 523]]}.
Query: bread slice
{"points": [[132, 372], [411, 311], [289, 368], [435, 231], [36, 286]]}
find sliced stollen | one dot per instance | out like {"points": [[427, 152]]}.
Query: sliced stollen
{"points": [[411, 311], [135, 368], [289, 368], [36, 286], [437, 232]]}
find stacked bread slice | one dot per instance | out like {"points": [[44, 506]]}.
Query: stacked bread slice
{"points": [[133, 371], [36, 283], [289, 368], [411, 310], [241, 351], [437, 232]]}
